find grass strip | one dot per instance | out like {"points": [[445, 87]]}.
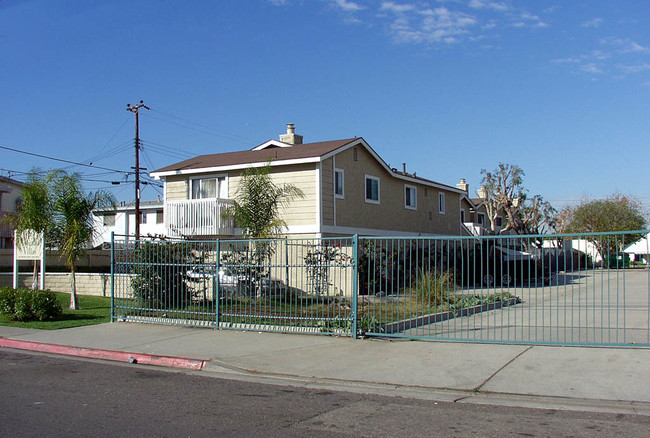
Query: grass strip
{"points": [[92, 310]]}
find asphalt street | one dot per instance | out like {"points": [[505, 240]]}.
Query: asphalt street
{"points": [[45, 395]]}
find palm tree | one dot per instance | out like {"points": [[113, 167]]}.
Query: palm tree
{"points": [[72, 220], [35, 209], [257, 204], [256, 210]]}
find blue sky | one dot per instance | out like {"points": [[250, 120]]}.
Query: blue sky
{"points": [[560, 88]]}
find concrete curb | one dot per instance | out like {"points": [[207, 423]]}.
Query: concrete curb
{"points": [[95, 353]]}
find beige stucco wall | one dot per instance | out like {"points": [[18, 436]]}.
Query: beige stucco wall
{"points": [[465, 205], [327, 190], [390, 213]]}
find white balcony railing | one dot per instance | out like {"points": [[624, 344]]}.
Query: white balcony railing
{"points": [[475, 229], [198, 217]]}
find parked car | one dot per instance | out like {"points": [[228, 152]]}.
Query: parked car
{"points": [[234, 284], [492, 265]]}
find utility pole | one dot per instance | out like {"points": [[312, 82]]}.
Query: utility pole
{"points": [[135, 110]]}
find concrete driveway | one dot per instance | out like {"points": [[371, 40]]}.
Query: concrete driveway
{"points": [[602, 306]]}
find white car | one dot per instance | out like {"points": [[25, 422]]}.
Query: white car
{"points": [[231, 283]]}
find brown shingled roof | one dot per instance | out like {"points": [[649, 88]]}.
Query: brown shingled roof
{"points": [[299, 151]]}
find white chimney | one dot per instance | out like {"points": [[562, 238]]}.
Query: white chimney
{"points": [[463, 185], [482, 192], [291, 137]]}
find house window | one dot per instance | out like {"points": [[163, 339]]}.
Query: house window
{"points": [[410, 197], [160, 218], [372, 189], [441, 203], [462, 216], [109, 220], [203, 188], [481, 219], [338, 183], [143, 217], [499, 221]]}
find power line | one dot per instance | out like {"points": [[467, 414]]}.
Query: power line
{"points": [[204, 128], [167, 150], [62, 160], [126, 119], [111, 152]]}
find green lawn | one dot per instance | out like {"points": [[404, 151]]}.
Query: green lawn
{"points": [[92, 310]]}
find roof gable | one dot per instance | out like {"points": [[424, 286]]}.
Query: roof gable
{"points": [[278, 153], [272, 144], [271, 151]]}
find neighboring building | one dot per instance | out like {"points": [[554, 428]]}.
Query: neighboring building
{"points": [[348, 190], [121, 221], [11, 192], [473, 213], [640, 250]]}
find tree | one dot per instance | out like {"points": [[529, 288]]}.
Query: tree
{"points": [[257, 204], [615, 213], [72, 219], [505, 192], [35, 210], [256, 210]]}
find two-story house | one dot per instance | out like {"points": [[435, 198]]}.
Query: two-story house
{"points": [[474, 215], [348, 189]]}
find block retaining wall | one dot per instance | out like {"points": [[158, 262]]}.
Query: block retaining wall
{"points": [[87, 284]]}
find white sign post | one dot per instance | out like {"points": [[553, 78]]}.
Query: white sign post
{"points": [[29, 245]]}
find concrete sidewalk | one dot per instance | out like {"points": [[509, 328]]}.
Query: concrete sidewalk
{"points": [[578, 378]]}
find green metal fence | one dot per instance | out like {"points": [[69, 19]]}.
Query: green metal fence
{"points": [[287, 285], [561, 289]]}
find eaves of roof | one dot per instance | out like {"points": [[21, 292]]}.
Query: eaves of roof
{"points": [[308, 152], [282, 156], [11, 181]]}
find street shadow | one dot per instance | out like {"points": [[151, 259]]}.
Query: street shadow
{"points": [[565, 279]]}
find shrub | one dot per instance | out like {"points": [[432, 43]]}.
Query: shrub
{"points": [[29, 305], [318, 261], [45, 305], [161, 274], [7, 300], [434, 288], [385, 265]]}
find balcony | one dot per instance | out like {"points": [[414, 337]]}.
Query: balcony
{"points": [[198, 217], [475, 229]]}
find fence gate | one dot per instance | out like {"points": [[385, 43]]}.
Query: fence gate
{"points": [[561, 289], [285, 285]]}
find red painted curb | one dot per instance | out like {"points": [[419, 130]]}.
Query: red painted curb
{"points": [[95, 353]]}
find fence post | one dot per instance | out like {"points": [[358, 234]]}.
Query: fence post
{"points": [[112, 275], [355, 284], [286, 260], [215, 283]]}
